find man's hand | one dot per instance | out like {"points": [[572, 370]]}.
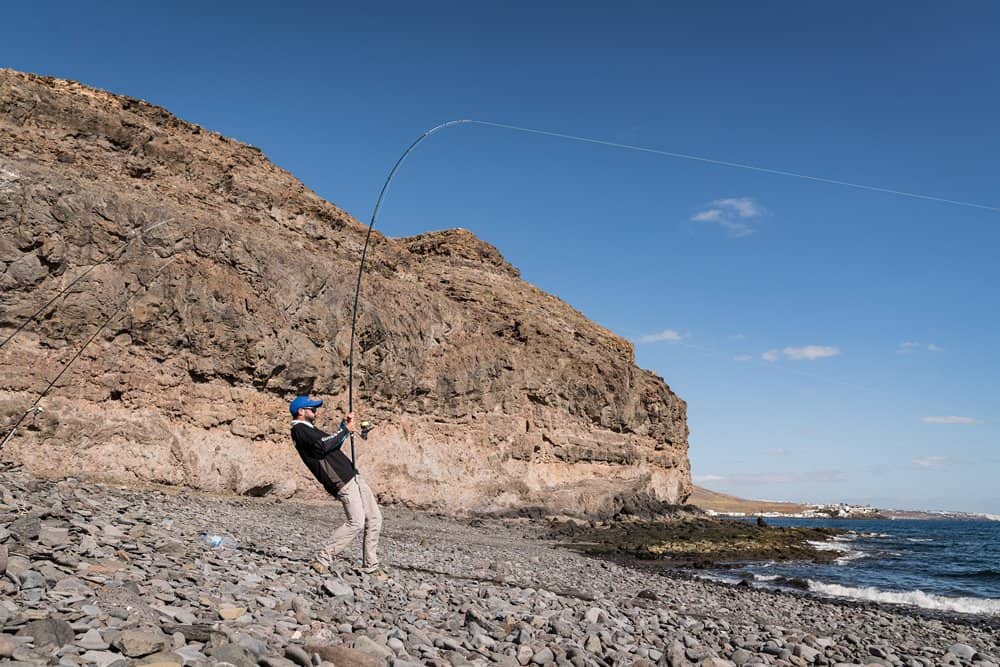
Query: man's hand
{"points": [[350, 422]]}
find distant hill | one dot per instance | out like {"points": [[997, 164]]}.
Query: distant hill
{"points": [[721, 502]]}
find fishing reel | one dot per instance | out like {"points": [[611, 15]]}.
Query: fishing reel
{"points": [[366, 428]]}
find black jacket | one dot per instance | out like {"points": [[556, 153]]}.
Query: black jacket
{"points": [[323, 456]]}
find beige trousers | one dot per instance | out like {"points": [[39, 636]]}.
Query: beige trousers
{"points": [[363, 515]]}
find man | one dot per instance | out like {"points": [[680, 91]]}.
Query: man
{"points": [[323, 455]]}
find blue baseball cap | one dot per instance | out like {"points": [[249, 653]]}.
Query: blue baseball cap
{"points": [[300, 402]]}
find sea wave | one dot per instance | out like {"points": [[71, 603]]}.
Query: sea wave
{"points": [[851, 555], [962, 605], [829, 546], [842, 547]]}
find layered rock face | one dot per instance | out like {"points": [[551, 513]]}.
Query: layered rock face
{"points": [[229, 289]]}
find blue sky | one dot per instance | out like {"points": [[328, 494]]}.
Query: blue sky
{"points": [[832, 343]]}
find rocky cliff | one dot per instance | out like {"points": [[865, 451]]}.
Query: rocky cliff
{"points": [[490, 393]]}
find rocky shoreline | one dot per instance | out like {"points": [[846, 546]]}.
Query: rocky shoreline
{"points": [[691, 540], [97, 575]]}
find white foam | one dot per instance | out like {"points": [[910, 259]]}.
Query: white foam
{"points": [[829, 546], [919, 539], [718, 578], [767, 577], [851, 555], [914, 598]]}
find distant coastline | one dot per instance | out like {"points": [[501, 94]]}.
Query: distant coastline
{"points": [[719, 504]]}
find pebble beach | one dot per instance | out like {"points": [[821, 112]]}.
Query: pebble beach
{"points": [[93, 574]]}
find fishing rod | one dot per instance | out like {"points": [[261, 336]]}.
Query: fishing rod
{"points": [[35, 407], [117, 251], [364, 252]]}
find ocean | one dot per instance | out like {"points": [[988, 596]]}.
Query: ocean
{"points": [[944, 565]]}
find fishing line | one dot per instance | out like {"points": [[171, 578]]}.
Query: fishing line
{"points": [[611, 144], [741, 165], [34, 409], [80, 277]]}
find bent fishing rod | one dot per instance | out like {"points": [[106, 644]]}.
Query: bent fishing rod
{"points": [[35, 407], [364, 253]]}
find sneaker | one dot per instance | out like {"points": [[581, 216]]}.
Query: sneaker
{"points": [[322, 563], [318, 567], [376, 572]]}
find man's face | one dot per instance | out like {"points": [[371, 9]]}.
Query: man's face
{"points": [[309, 414]]}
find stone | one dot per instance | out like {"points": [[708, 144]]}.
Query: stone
{"points": [[7, 646], [93, 640], [275, 661], [234, 655], [228, 612], [963, 651], [53, 536], [805, 652], [298, 655], [367, 645], [343, 656], [25, 528], [189, 655], [138, 643], [676, 654], [741, 656], [48, 632], [104, 659], [543, 657], [337, 588], [32, 579], [258, 647]]}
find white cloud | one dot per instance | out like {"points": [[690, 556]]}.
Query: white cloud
{"points": [[777, 452], [743, 206], [711, 215], [667, 335], [930, 462], [743, 357], [950, 419], [810, 352], [735, 214], [708, 478], [909, 346], [806, 353]]}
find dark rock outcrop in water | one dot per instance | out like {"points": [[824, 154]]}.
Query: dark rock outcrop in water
{"points": [[490, 393]]}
